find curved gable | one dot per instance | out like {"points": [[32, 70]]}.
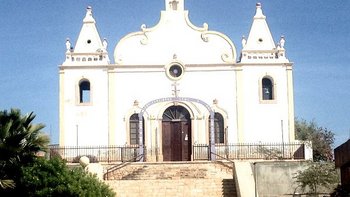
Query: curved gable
{"points": [[174, 36]]}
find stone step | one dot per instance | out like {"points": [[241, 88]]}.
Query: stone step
{"points": [[143, 171], [180, 187], [174, 179]]}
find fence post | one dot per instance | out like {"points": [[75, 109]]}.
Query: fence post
{"points": [[208, 151], [141, 151], [140, 132], [108, 150], [122, 154], [194, 152]]}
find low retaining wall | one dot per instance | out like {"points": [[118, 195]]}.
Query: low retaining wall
{"points": [[275, 178]]}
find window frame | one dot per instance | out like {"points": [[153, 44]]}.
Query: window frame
{"points": [[220, 137], [80, 93], [134, 119], [273, 93]]}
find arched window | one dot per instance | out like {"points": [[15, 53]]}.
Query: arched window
{"points": [[219, 130], [134, 129], [267, 89], [84, 91]]}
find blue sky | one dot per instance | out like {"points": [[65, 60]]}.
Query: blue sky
{"points": [[33, 35]]}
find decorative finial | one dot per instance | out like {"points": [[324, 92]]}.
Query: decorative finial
{"points": [[244, 41], [282, 42], [174, 56], [173, 4], [215, 101], [68, 45], [205, 26], [143, 27], [259, 14], [89, 10], [105, 43], [136, 103], [88, 17]]}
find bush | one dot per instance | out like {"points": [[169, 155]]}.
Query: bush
{"points": [[318, 175], [54, 178]]}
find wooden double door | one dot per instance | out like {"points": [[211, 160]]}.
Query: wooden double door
{"points": [[176, 134]]}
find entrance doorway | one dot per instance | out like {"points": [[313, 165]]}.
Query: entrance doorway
{"points": [[176, 134]]}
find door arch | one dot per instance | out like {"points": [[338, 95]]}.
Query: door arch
{"points": [[175, 100], [176, 134]]}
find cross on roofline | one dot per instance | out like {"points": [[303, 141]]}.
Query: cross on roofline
{"points": [[174, 4]]}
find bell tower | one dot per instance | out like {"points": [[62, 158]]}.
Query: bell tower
{"points": [[83, 87], [265, 90]]}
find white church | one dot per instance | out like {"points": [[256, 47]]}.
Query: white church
{"points": [[174, 85]]}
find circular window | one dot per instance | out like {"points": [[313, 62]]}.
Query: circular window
{"points": [[175, 71], [88, 41]]}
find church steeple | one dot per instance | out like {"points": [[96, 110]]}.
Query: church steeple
{"points": [[89, 46], [260, 42], [89, 39], [260, 37]]}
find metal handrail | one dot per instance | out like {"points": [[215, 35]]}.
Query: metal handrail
{"points": [[123, 164], [234, 176], [227, 159]]}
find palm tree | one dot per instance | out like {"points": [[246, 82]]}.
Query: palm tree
{"points": [[20, 141]]}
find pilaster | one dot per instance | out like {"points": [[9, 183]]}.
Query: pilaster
{"points": [[61, 108], [111, 107], [290, 103], [240, 104]]}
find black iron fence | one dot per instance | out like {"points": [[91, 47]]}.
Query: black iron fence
{"points": [[95, 153], [265, 151]]}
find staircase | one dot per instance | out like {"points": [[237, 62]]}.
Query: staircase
{"points": [[173, 179]]}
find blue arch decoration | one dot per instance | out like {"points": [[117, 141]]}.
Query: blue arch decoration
{"points": [[177, 99]]}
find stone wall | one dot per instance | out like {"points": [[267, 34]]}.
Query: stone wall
{"points": [[276, 178]]}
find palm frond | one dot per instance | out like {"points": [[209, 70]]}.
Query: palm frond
{"points": [[7, 184]]}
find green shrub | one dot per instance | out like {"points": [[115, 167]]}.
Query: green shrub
{"points": [[318, 175], [54, 178]]}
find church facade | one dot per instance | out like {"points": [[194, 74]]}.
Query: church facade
{"points": [[175, 85]]}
